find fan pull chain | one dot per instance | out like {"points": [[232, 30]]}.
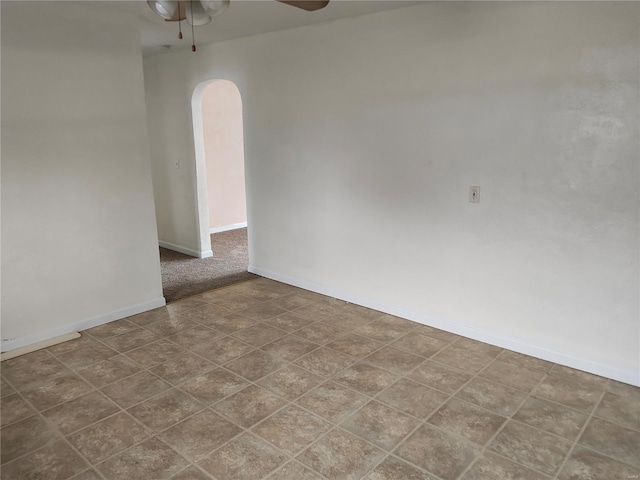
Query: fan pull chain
{"points": [[193, 35], [179, 23]]}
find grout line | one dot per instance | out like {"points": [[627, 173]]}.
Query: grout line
{"points": [[584, 427]]}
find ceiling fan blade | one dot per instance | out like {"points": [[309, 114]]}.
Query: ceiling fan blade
{"points": [[308, 5]]}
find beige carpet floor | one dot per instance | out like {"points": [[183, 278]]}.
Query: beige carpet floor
{"points": [[183, 276]]}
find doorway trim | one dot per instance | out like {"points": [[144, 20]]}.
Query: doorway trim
{"points": [[201, 188]]}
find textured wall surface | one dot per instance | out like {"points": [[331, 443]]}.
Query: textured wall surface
{"points": [[79, 239], [363, 136]]}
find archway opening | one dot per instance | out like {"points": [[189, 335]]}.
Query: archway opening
{"points": [[221, 196]]}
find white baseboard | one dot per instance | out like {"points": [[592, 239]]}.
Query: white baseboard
{"points": [[483, 335], [186, 251], [226, 228], [38, 346], [14, 343]]}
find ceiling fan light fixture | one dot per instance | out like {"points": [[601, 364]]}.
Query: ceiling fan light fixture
{"points": [[196, 14], [166, 9], [215, 7]]}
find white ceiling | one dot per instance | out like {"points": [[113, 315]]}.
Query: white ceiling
{"points": [[243, 18]]}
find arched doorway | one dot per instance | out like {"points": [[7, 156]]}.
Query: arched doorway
{"points": [[219, 149]]}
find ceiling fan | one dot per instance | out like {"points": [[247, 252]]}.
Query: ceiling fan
{"points": [[200, 12]]}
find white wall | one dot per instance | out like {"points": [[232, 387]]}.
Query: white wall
{"points": [[79, 240], [362, 138]]}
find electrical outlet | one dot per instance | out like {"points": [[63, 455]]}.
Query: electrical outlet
{"points": [[474, 194], [177, 163]]}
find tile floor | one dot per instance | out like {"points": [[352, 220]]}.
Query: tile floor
{"points": [[261, 380]]}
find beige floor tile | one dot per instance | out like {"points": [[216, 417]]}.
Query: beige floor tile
{"points": [[112, 329], [14, 408], [231, 323], [198, 337], [255, 365], [108, 371], [262, 311], [525, 361], [5, 388], [185, 305], [165, 410], [151, 459], [222, 350], [440, 453], [58, 390], [290, 347], [249, 406], [492, 396], [383, 330], [25, 436], [480, 348], [332, 401], [294, 471], [191, 473], [365, 378], [574, 395], [437, 333], [245, 458], [200, 435], [393, 468], [53, 462], [234, 302], [213, 386], [320, 333], [530, 447], [171, 326], [469, 421], [30, 375], [291, 429], [623, 389], [88, 475], [183, 367], [512, 375], [70, 345], [131, 340], [341, 455], [321, 309], [289, 322], [419, 344], [394, 360], [379, 424], [184, 373], [147, 318], [135, 389], [27, 359], [413, 398], [325, 361], [585, 464], [493, 467], [463, 359], [441, 377], [259, 335], [155, 353], [623, 410], [290, 302], [552, 418], [355, 345], [108, 437], [80, 412], [350, 320], [290, 382], [578, 376], [613, 440]]}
